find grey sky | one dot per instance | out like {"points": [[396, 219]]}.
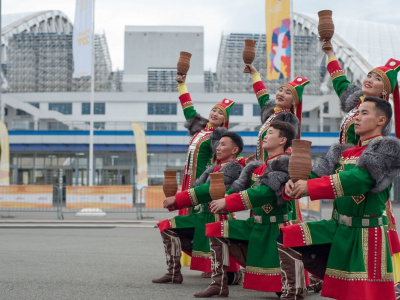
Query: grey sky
{"points": [[217, 16]]}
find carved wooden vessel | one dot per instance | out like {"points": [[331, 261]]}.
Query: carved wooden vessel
{"points": [[183, 63], [217, 186], [249, 52], [170, 185], [326, 27], [300, 160]]}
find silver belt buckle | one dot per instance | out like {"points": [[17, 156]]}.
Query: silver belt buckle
{"points": [[285, 218], [272, 219], [380, 221], [345, 220], [365, 222], [258, 219]]}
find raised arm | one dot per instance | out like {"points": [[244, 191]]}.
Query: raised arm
{"points": [[259, 88]]}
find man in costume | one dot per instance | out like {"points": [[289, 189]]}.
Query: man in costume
{"points": [[187, 233], [350, 251], [260, 184], [380, 82]]}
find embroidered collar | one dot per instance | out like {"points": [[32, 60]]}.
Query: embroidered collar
{"points": [[272, 158], [209, 127], [219, 163], [369, 140], [278, 110]]}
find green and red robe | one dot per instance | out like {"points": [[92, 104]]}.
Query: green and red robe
{"points": [[201, 254], [359, 264], [263, 271], [351, 97]]}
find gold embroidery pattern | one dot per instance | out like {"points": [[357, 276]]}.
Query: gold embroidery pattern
{"points": [[346, 275], [337, 185], [384, 274], [263, 271], [348, 161], [267, 208], [261, 93], [306, 234], [193, 197], [246, 200], [172, 222], [364, 235], [225, 229], [358, 199], [336, 74], [187, 104], [216, 218], [254, 177], [366, 142], [201, 254]]}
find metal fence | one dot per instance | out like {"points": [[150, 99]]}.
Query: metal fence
{"points": [[84, 201]]}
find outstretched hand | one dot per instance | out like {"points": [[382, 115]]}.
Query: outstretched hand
{"points": [[217, 206], [249, 68]]}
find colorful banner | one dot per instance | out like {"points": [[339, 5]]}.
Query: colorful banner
{"points": [[102, 197], [277, 21], [141, 156], [26, 196], [5, 155], [82, 38]]}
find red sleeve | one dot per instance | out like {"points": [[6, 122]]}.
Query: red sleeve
{"points": [[321, 188], [234, 203], [183, 200], [258, 86]]}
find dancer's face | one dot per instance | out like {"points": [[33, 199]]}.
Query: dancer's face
{"points": [[368, 119], [216, 117], [226, 149], [272, 140], [373, 85], [284, 98]]}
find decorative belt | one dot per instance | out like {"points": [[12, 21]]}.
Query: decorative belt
{"points": [[362, 222], [273, 219]]}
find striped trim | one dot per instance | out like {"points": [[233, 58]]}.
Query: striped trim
{"points": [[172, 222], [261, 93], [201, 254], [187, 104], [331, 59], [225, 229], [263, 271], [336, 185], [336, 74], [246, 200], [193, 197], [306, 233], [388, 86]]}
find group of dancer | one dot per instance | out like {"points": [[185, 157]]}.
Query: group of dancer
{"points": [[354, 255]]}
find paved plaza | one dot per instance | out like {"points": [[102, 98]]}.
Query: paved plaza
{"points": [[95, 258]]}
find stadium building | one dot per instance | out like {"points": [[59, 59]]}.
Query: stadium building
{"points": [[47, 111]]}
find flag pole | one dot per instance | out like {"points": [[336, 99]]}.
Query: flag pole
{"points": [[92, 79], [291, 42]]}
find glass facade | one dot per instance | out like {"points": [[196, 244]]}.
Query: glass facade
{"points": [[161, 108], [99, 108], [64, 108]]}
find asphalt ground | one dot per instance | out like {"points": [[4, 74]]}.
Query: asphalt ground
{"points": [[95, 258]]}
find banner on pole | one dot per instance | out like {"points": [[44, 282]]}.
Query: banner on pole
{"points": [[277, 21], [82, 38], [5, 155], [141, 155]]}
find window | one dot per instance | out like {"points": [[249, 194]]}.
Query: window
{"points": [[161, 126], [327, 128], [305, 128], [237, 110], [326, 108], [99, 108], [305, 114], [256, 110], [21, 112], [97, 125], [161, 108], [64, 108]]}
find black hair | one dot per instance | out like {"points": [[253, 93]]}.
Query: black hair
{"points": [[285, 130], [236, 139], [383, 107]]}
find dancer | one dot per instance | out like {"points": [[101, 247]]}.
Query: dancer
{"points": [[188, 232], [380, 82], [252, 241], [287, 104], [358, 264]]}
